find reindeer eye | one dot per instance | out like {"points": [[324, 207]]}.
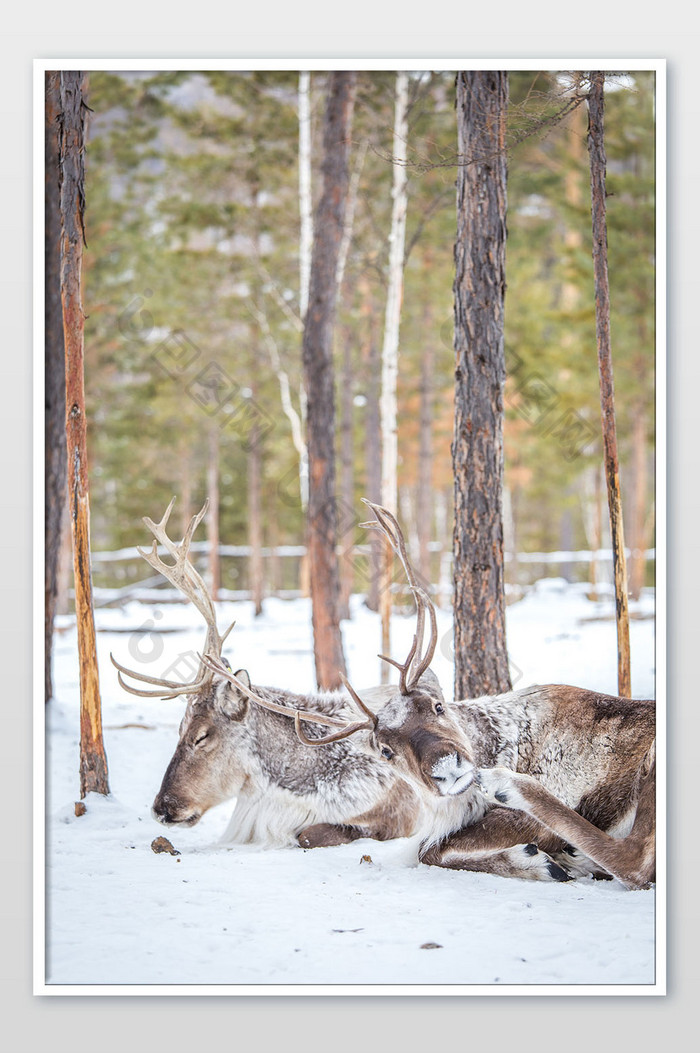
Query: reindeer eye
{"points": [[201, 738], [386, 753], [439, 708]]}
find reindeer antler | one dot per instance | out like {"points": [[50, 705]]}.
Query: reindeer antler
{"points": [[345, 729], [412, 669], [183, 575]]}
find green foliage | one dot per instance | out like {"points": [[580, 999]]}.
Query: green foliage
{"points": [[193, 251]]}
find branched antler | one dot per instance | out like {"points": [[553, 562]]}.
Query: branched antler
{"points": [[414, 666], [183, 575], [344, 728]]}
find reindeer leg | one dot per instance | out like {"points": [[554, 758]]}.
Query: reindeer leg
{"points": [[325, 835], [629, 859], [394, 816], [509, 844]]}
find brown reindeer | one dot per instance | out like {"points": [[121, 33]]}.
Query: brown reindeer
{"points": [[547, 783], [229, 748]]}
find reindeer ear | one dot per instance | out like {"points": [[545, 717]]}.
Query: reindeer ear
{"points": [[430, 683], [234, 703], [242, 675]]}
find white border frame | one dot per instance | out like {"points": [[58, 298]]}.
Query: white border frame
{"points": [[40, 987]]}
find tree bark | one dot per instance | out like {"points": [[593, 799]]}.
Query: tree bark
{"points": [[596, 147], [55, 465], [373, 440], [93, 762], [347, 476], [390, 353], [305, 200], [255, 536], [317, 352], [481, 658], [256, 583], [425, 502], [638, 540]]}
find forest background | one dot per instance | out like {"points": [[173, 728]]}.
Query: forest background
{"points": [[194, 301]]}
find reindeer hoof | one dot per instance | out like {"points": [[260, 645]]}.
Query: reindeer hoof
{"points": [[558, 873]]}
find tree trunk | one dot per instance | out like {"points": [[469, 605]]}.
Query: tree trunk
{"points": [[213, 512], [638, 540], [55, 467], [347, 477], [256, 582], [425, 502], [305, 200], [481, 657], [255, 538], [596, 147], [373, 441], [93, 762], [390, 353], [319, 381]]}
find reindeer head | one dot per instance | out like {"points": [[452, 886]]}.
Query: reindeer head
{"points": [[201, 773], [215, 753], [414, 731]]}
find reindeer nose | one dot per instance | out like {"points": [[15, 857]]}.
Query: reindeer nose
{"points": [[160, 813], [161, 809], [451, 773]]}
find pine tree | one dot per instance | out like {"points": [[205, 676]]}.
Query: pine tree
{"points": [[93, 762], [319, 383], [481, 658]]}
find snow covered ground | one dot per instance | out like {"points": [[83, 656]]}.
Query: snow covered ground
{"points": [[119, 914]]}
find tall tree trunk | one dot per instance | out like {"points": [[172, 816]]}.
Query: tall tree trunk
{"points": [[214, 558], [93, 762], [346, 395], [347, 476], [638, 539], [306, 228], [373, 440], [596, 147], [256, 581], [481, 657], [319, 381], [424, 501], [55, 467], [255, 538], [297, 420], [390, 352]]}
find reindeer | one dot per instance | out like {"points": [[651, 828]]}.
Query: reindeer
{"points": [[546, 783], [230, 748]]}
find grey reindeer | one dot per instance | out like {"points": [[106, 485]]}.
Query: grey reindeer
{"points": [[548, 783], [236, 741]]}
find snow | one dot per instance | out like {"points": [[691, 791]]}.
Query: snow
{"points": [[358, 918]]}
